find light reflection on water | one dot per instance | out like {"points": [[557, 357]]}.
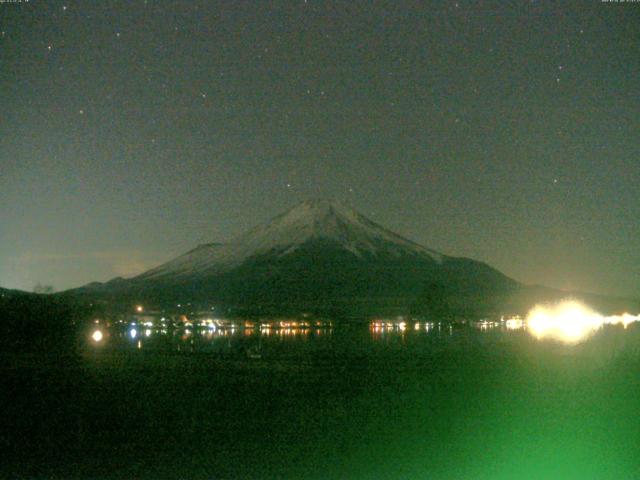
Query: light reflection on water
{"points": [[223, 340], [123, 336], [276, 341], [471, 382], [255, 339]]}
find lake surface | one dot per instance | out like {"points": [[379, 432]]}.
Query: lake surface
{"points": [[343, 402]]}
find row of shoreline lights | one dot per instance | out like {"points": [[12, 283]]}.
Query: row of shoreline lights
{"points": [[568, 321], [212, 329]]}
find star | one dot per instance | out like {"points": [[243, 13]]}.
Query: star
{"points": [[118, 34], [64, 8], [81, 112]]}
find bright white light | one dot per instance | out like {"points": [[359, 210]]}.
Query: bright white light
{"points": [[625, 319], [570, 321], [514, 324], [133, 333], [147, 332], [97, 336]]}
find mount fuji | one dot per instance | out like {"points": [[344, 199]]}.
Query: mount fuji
{"points": [[327, 222], [321, 257]]}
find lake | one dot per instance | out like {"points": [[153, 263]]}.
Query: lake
{"points": [[362, 401]]}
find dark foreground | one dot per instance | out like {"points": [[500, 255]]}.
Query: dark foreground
{"points": [[469, 406]]}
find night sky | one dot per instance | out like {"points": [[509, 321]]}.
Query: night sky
{"points": [[508, 132]]}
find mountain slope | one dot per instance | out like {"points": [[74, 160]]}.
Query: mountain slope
{"points": [[324, 257], [309, 221]]}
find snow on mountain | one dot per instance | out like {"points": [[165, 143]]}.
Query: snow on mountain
{"points": [[310, 220]]}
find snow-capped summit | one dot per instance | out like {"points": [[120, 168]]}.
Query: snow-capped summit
{"points": [[327, 220], [312, 220]]}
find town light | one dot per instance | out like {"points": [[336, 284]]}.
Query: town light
{"points": [[571, 321]]}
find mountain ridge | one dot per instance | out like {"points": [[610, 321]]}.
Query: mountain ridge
{"points": [[311, 219], [321, 256]]}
